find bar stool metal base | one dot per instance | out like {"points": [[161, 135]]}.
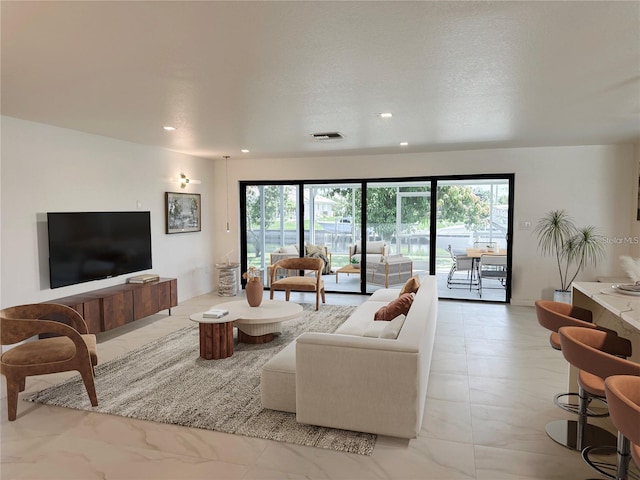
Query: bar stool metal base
{"points": [[599, 410], [565, 432], [615, 471]]}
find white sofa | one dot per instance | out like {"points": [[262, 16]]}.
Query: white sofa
{"points": [[355, 380]]}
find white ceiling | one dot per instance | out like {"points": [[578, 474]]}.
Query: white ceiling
{"points": [[266, 75]]}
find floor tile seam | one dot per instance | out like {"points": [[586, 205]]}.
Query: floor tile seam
{"points": [[561, 453], [431, 436], [528, 408], [448, 400]]}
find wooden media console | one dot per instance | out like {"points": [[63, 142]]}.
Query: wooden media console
{"points": [[115, 306]]}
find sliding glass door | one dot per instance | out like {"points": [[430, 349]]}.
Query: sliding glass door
{"points": [[398, 229], [374, 234], [332, 221], [473, 225], [272, 228]]}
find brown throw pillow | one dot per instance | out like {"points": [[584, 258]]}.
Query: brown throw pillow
{"points": [[399, 306], [411, 286]]}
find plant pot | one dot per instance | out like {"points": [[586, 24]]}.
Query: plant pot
{"points": [[254, 291], [563, 296]]}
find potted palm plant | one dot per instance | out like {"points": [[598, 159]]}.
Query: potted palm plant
{"points": [[572, 247]]}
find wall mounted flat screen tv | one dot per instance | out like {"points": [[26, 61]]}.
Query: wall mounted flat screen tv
{"points": [[86, 246]]}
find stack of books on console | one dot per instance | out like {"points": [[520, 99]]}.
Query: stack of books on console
{"points": [[215, 313], [149, 277]]}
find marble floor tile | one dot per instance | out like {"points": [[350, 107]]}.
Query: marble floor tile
{"points": [[504, 464], [511, 393], [515, 428], [447, 420], [448, 386], [447, 362], [489, 397]]}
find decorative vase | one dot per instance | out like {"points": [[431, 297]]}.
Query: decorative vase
{"points": [[254, 290]]}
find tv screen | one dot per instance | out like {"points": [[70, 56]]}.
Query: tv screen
{"points": [[86, 246]]}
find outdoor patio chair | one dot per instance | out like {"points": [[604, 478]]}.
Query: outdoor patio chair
{"points": [[492, 267], [461, 264]]}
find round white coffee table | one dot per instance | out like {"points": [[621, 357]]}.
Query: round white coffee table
{"points": [[258, 324]]}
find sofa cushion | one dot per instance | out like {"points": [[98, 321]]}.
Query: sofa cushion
{"points": [[385, 294], [278, 380], [371, 258], [360, 319], [315, 249], [374, 329], [411, 286], [399, 306], [392, 329], [372, 247], [376, 247], [389, 330], [290, 249]]}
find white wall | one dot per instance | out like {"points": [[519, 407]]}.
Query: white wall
{"points": [[45, 168], [595, 184], [48, 169]]}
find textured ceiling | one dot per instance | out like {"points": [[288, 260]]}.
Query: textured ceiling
{"points": [[265, 75]]}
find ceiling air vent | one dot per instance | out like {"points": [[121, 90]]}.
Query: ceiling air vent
{"points": [[323, 137]]}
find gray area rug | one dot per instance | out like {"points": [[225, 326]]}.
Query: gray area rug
{"points": [[166, 381]]}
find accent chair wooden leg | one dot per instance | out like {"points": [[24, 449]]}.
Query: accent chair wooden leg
{"points": [[271, 293], [324, 300], [287, 294], [89, 384], [13, 387]]}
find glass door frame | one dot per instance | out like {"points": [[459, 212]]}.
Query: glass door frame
{"points": [[510, 178], [363, 183]]}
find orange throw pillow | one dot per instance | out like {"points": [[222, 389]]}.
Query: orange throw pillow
{"points": [[399, 306], [411, 286]]}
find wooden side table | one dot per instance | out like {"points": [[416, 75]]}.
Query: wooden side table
{"points": [[216, 336]]}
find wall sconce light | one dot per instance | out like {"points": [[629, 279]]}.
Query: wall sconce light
{"points": [[184, 181]]}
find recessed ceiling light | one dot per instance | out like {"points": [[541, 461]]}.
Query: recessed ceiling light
{"points": [[385, 115], [169, 128], [404, 144], [244, 150]]}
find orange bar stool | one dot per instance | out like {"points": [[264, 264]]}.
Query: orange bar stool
{"points": [[623, 397], [571, 433], [596, 354]]}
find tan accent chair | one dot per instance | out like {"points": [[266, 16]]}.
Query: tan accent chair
{"points": [[299, 283], [288, 252], [73, 349]]}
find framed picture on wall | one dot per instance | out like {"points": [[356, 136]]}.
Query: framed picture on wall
{"points": [[183, 212]]}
